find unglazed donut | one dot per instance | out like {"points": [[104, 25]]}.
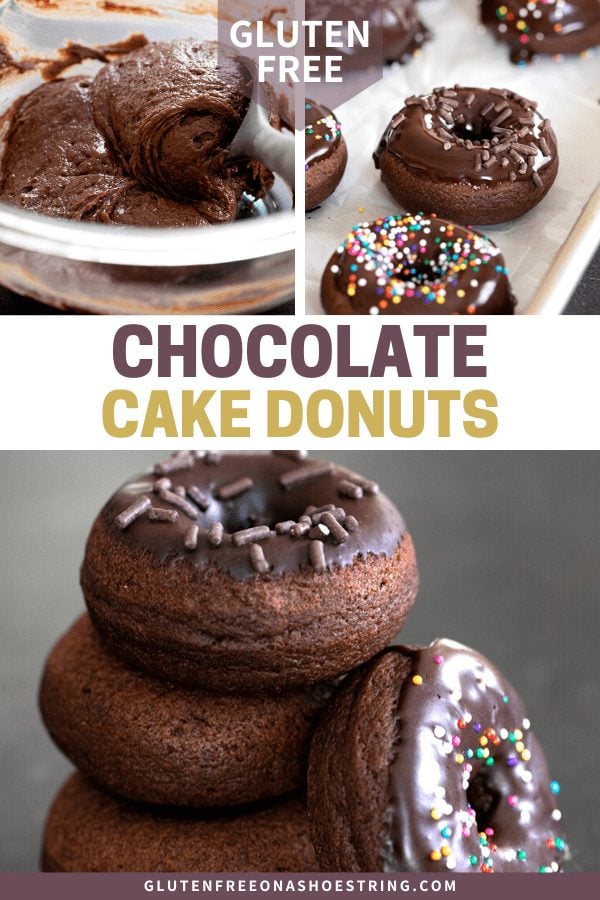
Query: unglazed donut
{"points": [[155, 742], [248, 572], [325, 153], [543, 26], [426, 762], [473, 155], [88, 830], [416, 265]]}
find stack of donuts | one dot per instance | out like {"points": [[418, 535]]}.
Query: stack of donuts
{"points": [[235, 660]]}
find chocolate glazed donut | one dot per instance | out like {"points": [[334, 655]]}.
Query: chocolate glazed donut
{"points": [[543, 26], [247, 572], [426, 763], [474, 156], [325, 152], [416, 265], [395, 21]]}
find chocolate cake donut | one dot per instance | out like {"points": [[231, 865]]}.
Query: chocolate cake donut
{"points": [[543, 26], [474, 156], [88, 830], [243, 572], [416, 265], [145, 142], [325, 152], [426, 763], [151, 741], [396, 31]]}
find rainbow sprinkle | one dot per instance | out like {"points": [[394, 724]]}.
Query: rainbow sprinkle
{"points": [[414, 257], [527, 23], [326, 128], [500, 747]]}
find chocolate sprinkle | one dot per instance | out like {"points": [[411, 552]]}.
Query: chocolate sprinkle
{"points": [[215, 534], [313, 511], [250, 535], [181, 503], [284, 527], [339, 534], [350, 489], [318, 533], [211, 458], [234, 488], [199, 497], [156, 514], [162, 484], [316, 553], [257, 558], [133, 512], [350, 523], [177, 463], [190, 539], [303, 475], [369, 487], [296, 455], [299, 529], [337, 512]]}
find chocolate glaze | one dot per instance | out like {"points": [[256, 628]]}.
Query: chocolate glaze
{"points": [[322, 134], [411, 265], [396, 30], [543, 26], [143, 143], [448, 716], [266, 502], [471, 135]]}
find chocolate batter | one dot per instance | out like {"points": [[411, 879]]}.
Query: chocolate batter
{"points": [[145, 142]]}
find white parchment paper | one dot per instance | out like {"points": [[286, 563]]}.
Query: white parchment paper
{"points": [[463, 52]]}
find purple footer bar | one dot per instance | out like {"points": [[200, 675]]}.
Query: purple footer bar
{"points": [[130, 886]]}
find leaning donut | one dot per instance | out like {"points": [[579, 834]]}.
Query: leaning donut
{"points": [[474, 156], [248, 571], [426, 762]]}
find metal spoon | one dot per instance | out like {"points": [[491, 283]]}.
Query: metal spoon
{"points": [[257, 139]]}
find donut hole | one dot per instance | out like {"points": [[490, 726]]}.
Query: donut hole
{"points": [[476, 130], [423, 272], [484, 798], [251, 509]]}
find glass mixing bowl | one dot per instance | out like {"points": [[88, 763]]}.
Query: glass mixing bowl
{"points": [[244, 266]]}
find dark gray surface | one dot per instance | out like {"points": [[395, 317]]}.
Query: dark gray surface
{"points": [[586, 299], [508, 551]]}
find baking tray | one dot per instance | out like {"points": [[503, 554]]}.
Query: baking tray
{"points": [[548, 249]]}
